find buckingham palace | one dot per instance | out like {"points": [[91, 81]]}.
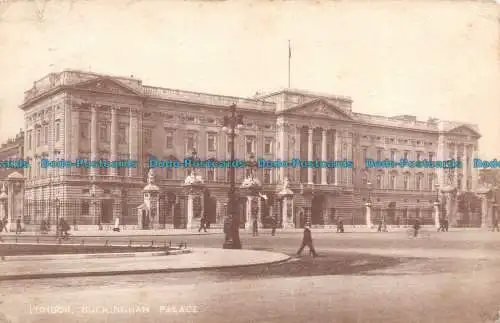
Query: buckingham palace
{"points": [[75, 115]]}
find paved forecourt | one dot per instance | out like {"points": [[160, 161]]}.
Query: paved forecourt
{"points": [[197, 259]]}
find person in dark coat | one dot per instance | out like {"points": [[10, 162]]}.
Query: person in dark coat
{"points": [[19, 229], [441, 225], [340, 225], [64, 229], [273, 226], [5, 224], [255, 228], [446, 224], [203, 224], [495, 225], [307, 241], [416, 227]]}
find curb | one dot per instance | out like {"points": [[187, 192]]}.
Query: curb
{"points": [[95, 256], [34, 235], [135, 272]]}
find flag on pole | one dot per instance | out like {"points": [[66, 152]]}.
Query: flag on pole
{"points": [[289, 50]]}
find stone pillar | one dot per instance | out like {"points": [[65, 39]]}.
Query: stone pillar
{"points": [[338, 156], [310, 154], [436, 215], [287, 213], [324, 179], [348, 171], [133, 141], [474, 170], [114, 140], [456, 170], [259, 214], [465, 170], [94, 140], [75, 141], [484, 212], [190, 212], [368, 215], [248, 214]]}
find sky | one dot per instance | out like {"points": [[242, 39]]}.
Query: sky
{"points": [[428, 59]]}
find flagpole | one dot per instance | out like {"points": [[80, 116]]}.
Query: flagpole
{"points": [[289, 59]]}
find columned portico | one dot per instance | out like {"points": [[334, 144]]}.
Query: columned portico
{"points": [[310, 154], [94, 143], [324, 157]]}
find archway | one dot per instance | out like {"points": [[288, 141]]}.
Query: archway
{"points": [[317, 206]]}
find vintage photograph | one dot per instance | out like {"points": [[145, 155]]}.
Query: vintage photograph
{"points": [[249, 161]]}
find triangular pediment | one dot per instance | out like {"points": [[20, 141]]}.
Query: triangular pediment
{"points": [[464, 130], [319, 108], [106, 85]]}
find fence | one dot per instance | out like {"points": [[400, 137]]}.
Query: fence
{"points": [[78, 212]]}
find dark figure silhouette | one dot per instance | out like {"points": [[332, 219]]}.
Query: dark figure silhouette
{"points": [[203, 224], [307, 241], [340, 225], [255, 228], [19, 229], [495, 225]]}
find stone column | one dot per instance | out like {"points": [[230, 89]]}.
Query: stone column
{"points": [[94, 143], [248, 211], [75, 141], [282, 149], [456, 170], [465, 170], [368, 215], [133, 142], [324, 157], [190, 215], [310, 155], [484, 212], [436, 215], [114, 140], [348, 171], [474, 170], [287, 212], [338, 156], [259, 214]]}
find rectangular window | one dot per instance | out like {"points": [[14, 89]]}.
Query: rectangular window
{"points": [[405, 155], [84, 130], [406, 182], [58, 131], [46, 135], [169, 173], [379, 181], [250, 145], [169, 140], [148, 138], [431, 183], [190, 145], [365, 154], [431, 155], [30, 139], [419, 155], [103, 133], [122, 135], [379, 154], [418, 184], [267, 176], [211, 142], [211, 175], [393, 182], [268, 146], [393, 155], [38, 137]]}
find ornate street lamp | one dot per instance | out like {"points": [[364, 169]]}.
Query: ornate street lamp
{"points": [[369, 186], [231, 126], [93, 202], [307, 192]]}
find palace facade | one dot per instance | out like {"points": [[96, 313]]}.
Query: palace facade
{"points": [[81, 115]]}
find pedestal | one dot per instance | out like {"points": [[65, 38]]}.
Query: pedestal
{"points": [[287, 213], [368, 216], [3, 212], [436, 215]]}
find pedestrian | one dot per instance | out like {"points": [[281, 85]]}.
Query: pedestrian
{"points": [[75, 225], [19, 229], [495, 225], [203, 224], [116, 228], [99, 225], [65, 229], [441, 225], [273, 226], [5, 224], [340, 225], [255, 228], [446, 224], [307, 241], [416, 227]]}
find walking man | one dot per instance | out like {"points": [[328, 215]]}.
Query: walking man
{"points": [[19, 229], [446, 224], [495, 225], [307, 241], [203, 224], [273, 226], [340, 225], [255, 228], [5, 224]]}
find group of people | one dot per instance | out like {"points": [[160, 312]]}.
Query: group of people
{"points": [[443, 225]]}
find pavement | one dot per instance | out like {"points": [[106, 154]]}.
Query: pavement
{"points": [[16, 267]]}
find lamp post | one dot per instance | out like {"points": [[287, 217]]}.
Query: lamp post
{"points": [[307, 192], [194, 184], [57, 203], [93, 201], [368, 205], [231, 125]]}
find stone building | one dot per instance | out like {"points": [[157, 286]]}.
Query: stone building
{"points": [[81, 115], [12, 149]]}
